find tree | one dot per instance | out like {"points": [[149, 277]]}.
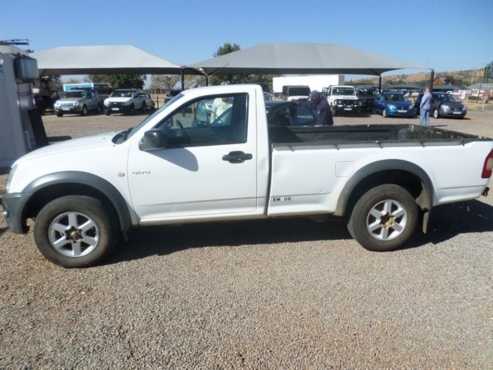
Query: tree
{"points": [[225, 78], [121, 80], [265, 80], [163, 82], [488, 72]]}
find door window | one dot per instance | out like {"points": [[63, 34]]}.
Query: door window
{"points": [[210, 120]]}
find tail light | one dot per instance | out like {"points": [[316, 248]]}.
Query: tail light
{"points": [[488, 166]]}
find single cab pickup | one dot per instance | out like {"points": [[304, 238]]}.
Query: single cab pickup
{"points": [[211, 154]]}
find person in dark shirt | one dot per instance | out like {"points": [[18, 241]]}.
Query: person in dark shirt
{"points": [[321, 109]]}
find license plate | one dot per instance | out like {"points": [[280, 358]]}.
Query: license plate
{"points": [[66, 109], [402, 111], [115, 109], [348, 108], [457, 112]]}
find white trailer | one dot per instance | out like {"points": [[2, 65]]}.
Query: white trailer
{"points": [[315, 82]]}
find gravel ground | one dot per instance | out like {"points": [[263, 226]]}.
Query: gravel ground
{"points": [[292, 294]]}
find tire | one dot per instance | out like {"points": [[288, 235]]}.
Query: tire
{"points": [[53, 221], [107, 112], [83, 111], [59, 114], [436, 114], [384, 113], [362, 218]]}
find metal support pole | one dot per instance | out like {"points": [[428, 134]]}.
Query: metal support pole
{"points": [[182, 79], [206, 79], [380, 84], [432, 78]]}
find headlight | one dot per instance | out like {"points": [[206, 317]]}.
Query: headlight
{"points": [[445, 107], [10, 177], [391, 106], [106, 103], [76, 103]]}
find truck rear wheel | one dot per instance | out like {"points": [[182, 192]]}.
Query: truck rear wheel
{"points": [[74, 231], [384, 218]]}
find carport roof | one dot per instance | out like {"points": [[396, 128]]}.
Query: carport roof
{"points": [[101, 59], [302, 58]]}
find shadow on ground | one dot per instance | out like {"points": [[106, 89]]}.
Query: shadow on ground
{"points": [[446, 222]]}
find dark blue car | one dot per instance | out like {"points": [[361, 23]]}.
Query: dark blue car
{"points": [[393, 104]]}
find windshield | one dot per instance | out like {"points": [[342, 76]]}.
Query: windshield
{"points": [[124, 135], [342, 91], [122, 93], [394, 97], [449, 98], [298, 91], [74, 94]]}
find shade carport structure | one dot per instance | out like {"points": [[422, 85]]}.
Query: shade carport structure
{"points": [[102, 59], [302, 58]]}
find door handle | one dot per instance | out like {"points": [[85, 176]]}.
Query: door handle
{"points": [[237, 157]]}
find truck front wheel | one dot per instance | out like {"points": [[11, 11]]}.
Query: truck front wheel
{"points": [[384, 218], [74, 231]]}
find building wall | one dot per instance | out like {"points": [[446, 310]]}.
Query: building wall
{"points": [[315, 82]]}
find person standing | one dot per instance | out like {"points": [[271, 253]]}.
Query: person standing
{"points": [[425, 107], [321, 109]]}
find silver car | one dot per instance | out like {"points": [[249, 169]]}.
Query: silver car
{"points": [[78, 101]]}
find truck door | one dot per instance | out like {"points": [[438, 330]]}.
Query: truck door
{"points": [[207, 169]]}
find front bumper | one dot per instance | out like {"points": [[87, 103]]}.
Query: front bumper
{"points": [[452, 114], [411, 113], [68, 109], [119, 108], [347, 109], [11, 206]]}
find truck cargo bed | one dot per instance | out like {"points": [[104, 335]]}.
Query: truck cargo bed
{"points": [[367, 134]]}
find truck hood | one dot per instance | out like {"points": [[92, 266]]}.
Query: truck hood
{"points": [[400, 104], [70, 146], [344, 97], [69, 100], [117, 100]]}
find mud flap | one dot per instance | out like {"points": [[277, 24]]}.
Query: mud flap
{"points": [[426, 220]]}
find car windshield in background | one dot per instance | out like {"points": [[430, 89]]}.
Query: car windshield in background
{"points": [[449, 98], [74, 94], [149, 117], [342, 91], [122, 93], [394, 97], [299, 91]]}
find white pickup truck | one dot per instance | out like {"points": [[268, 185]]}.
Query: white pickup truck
{"points": [[211, 154]]}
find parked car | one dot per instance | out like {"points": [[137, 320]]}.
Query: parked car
{"points": [[366, 96], [343, 99], [77, 101], [394, 104], [297, 92], [176, 167], [128, 101], [101, 90], [447, 105]]}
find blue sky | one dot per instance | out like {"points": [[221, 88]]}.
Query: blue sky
{"points": [[446, 35]]}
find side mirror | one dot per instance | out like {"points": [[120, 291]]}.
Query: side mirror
{"points": [[154, 139]]}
